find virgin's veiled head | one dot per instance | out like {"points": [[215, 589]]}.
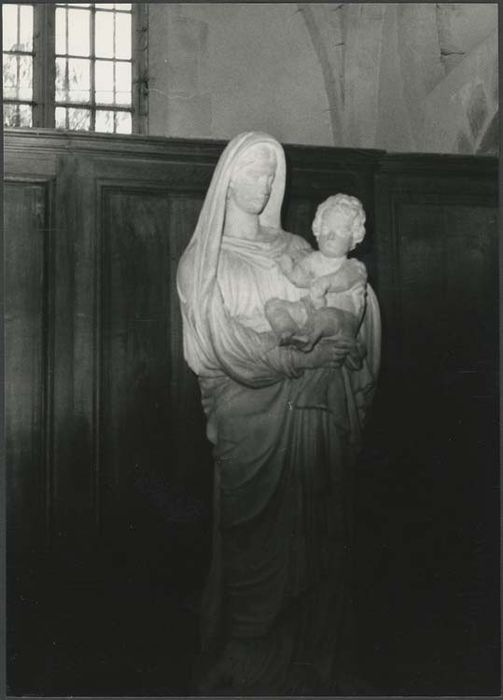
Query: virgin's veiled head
{"points": [[252, 179], [198, 266]]}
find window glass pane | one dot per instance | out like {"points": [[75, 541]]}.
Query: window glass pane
{"points": [[104, 34], [61, 30], [78, 32], [25, 117], [17, 115], [105, 5], [123, 36], [17, 77], [25, 77], [125, 6], [123, 122], [9, 27], [74, 85], [79, 119], [123, 83], [104, 80], [9, 76], [60, 118], [10, 115], [79, 80], [104, 120], [26, 28], [61, 84]]}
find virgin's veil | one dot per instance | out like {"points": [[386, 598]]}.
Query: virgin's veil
{"points": [[197, 271]]}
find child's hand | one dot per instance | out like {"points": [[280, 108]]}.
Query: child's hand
{"points": [[318, 290], [285, 263]]}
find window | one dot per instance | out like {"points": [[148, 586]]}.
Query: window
{"points": [[18, 64], [79, 66]]}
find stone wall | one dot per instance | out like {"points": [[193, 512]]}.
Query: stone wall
{"points": [[402, 76]]}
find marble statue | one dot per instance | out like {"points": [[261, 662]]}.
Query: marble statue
{"points": [[285, 425]]}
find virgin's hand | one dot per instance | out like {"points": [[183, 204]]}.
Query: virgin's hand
{"points": [[355, 357], [327, 353]]}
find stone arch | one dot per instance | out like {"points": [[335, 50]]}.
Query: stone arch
{"points": [[459, 111], [488, 143]]}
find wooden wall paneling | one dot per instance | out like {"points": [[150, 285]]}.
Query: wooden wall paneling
{"points": [[190, 426], [74, 312], [471, 253], [299, 215], [25, 307], [133, 467], [435, 437], [147, 433], [27, 215], [428, 183], [162, 202]]}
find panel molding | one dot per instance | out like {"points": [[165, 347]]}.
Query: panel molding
{"points": [[419, 179], [44, 213]]}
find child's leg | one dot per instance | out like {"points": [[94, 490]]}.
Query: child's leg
{"points": [[277, 312]]}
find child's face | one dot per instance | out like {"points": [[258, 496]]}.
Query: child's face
{"points": [[335, 233]]}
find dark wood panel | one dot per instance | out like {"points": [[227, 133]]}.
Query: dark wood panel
{"points": [[472, 284], [193, 459], [422, 286], [27, 434], [25, 357], [299, 215], [445, 282], [428, 482], [149, 402], [74, 357], [427, 183]]}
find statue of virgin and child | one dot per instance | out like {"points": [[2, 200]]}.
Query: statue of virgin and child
{"points": [[285, 342]]}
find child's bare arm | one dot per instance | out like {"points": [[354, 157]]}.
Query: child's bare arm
{"points": [[352, 274], [296, 271], [319, 288]]}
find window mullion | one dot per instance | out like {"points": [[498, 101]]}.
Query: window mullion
{"points": [[43, 65], [92, 51], [139, 95]]}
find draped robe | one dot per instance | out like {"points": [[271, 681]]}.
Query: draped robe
{"points": [[283, 439]]}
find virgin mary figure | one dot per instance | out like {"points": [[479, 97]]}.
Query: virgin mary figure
{"points": [[285, 427]]}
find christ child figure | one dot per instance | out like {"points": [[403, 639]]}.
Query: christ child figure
{"points": [[336, 285]]}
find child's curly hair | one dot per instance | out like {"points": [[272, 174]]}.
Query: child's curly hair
{"points": [[348, 203]]}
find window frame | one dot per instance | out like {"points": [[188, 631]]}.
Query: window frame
{"points": [[19, 53], [44, 67]]}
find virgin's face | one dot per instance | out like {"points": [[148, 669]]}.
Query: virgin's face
{"points": [[252, 179]]}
